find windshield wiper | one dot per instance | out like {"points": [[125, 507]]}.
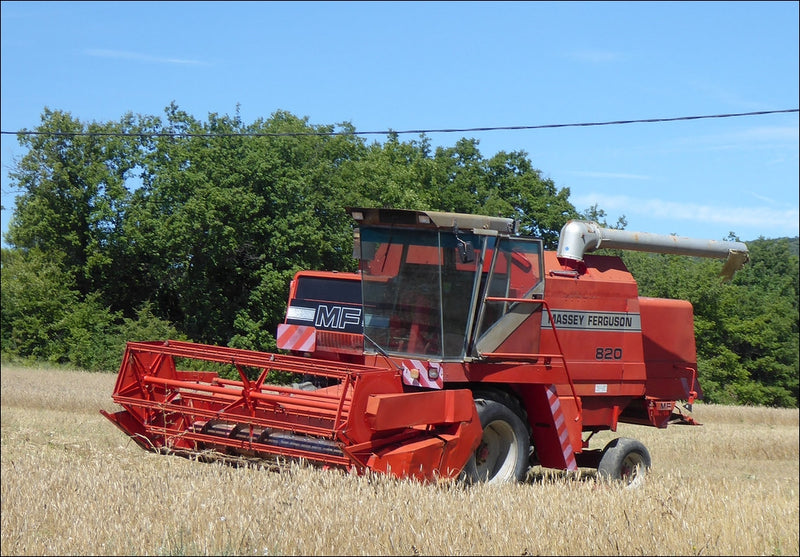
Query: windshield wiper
{"points": [[382, 352]]}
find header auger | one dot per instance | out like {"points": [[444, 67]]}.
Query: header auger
{"points": [[459, 349]]}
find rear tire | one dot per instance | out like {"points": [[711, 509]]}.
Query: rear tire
{"points": [[504, 450], [625, 460]]}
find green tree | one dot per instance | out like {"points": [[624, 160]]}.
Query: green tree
{"points": [[232, 215], [171, 227], [44, 318], [393, 174], [74, 196], [518, 190], [36, 296], [460, 183], [459, 179], [598, 215]]}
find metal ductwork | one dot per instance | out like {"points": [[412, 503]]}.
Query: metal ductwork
{"points": [[580, 236]]}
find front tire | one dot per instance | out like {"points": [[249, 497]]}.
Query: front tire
{"points": [[625, 460], [504, 450]]}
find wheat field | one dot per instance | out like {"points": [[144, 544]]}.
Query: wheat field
{"points": [[73, 484]]}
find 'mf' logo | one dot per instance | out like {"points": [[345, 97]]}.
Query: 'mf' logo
{"points": [[337, 317]]}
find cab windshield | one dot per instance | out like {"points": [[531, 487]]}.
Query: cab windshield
{"points": [[441, 295], [417, 289]]}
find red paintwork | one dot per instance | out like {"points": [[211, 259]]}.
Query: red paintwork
{"points": [[590, 354], [354, 424]]}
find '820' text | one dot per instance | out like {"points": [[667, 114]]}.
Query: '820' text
{"points": [[608, 353]]}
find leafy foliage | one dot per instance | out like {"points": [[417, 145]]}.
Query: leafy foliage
{"points": [[170, 227], [45, 318]]}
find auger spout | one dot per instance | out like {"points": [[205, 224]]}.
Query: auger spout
{"points": [[580, 236]]}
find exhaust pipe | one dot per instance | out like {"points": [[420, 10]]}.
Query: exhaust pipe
{"points": [[581, 236]]}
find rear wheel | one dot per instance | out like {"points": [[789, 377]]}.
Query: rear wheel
{"points": [[503, 453], [625, 460]]}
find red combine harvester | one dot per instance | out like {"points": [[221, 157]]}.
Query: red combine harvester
{"points": [[459, 350]]}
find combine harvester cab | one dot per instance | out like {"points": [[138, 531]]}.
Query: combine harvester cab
{"points": [[459, 349]]}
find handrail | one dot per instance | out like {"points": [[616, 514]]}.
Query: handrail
{"points": [[558, 343], [692, 392]]}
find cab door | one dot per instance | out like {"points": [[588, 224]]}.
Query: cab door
{"points": [[509, 290]]}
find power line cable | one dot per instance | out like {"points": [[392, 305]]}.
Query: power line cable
{"points": [[394, 132]]}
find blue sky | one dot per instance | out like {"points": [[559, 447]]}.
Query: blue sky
{"points": [[442, 65]]}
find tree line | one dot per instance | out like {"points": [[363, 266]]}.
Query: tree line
{"points": [[166, 226]]}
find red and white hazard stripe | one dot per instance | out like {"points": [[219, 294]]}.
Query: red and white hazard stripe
{"points": [[561, 428], [422, 374], [297, 337]]}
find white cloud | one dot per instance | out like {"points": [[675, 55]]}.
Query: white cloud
{"points": [[122, 55], [771, 133], [781, 221], [762, 197], [756, 137]]}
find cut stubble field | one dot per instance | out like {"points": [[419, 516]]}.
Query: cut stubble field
{"points": [[73, 484]]}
